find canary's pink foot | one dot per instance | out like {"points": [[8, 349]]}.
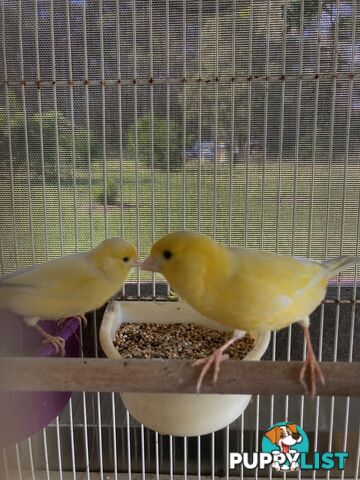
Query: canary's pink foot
{"points": [[215, 359], [311, 365], [57, 342]]}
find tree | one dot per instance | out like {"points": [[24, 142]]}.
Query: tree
{"points": [[57, 142], [161, 131]]}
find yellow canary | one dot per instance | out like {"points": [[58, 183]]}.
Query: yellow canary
{"points": [[248, 290], [68, 286]]}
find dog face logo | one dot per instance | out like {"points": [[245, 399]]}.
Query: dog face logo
{"points": [[285, 441], [284, 436]]}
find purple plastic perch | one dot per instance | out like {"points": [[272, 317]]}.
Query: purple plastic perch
{"points": [[24, 413]]}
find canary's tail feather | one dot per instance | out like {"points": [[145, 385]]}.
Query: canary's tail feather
{"points": [[337, 264]]}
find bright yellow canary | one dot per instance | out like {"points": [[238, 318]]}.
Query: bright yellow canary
{"points": [[248, 290], [68, 286]]}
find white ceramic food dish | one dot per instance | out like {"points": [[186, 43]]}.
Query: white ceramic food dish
{"points": [[167, 413]]}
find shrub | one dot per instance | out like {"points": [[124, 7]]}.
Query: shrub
{"points": [[160, 127], [112, 192], [81, 146], [49, 122], [15, 120], [34, 143]]}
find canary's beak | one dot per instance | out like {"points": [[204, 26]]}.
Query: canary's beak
{"points": [[150, 264], [136, 263]]}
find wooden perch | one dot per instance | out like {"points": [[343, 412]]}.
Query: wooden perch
{"points": [[170, 376]]}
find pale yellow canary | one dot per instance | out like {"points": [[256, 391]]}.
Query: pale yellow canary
{"points": [[248, 290], [68, 286]]}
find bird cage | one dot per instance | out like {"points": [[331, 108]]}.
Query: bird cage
{"points": [[239, 119]]}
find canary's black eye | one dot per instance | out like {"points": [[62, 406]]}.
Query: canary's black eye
{"points": [[167, 254], [126, 259]]}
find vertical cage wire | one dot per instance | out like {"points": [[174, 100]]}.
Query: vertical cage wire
{"points": [[119, 104], [357, 464], [227, 451], [199, 117], [136, 141], [346, 160], [128, 438], [184, 117], [24, 109], [143, 470], [295, 189], [213, 454], [18, 462], [152, 141], [185, 458], [298, 122], [41, 132], [72, 442], [167, 65], [114, 438], [248, 129], [88, 140], [171, 457], [263, 192], [317, 407], [266, 113], [6, 468], [58, 448], [232, 120], [9, 137], [310, 228], [87, 451], [103, 103], [98, 404], [216, 114], [331, 152], [199, 457], [157, 461], [72, 120], [53, 64], [247, 174], [85, 427], [281, 134], [57, 148], [242, 443]]}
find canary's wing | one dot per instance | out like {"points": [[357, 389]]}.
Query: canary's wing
{"points": [[62, 277], [264, 284]]}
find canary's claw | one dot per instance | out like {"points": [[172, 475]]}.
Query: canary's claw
{"points": [[57, 342], [216, 358], [315, 373], [80, 318]]}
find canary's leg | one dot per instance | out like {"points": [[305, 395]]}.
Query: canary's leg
{"points": [[57, 342], [216, 358], [80, 318], [310, 362]]}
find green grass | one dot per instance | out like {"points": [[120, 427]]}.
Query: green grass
{"points": [[273, 222]]}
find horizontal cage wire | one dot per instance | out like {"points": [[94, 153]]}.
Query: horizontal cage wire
{"points": [[236, 118]]}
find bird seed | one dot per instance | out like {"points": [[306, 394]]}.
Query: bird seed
{"points": [[176, 340]]}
